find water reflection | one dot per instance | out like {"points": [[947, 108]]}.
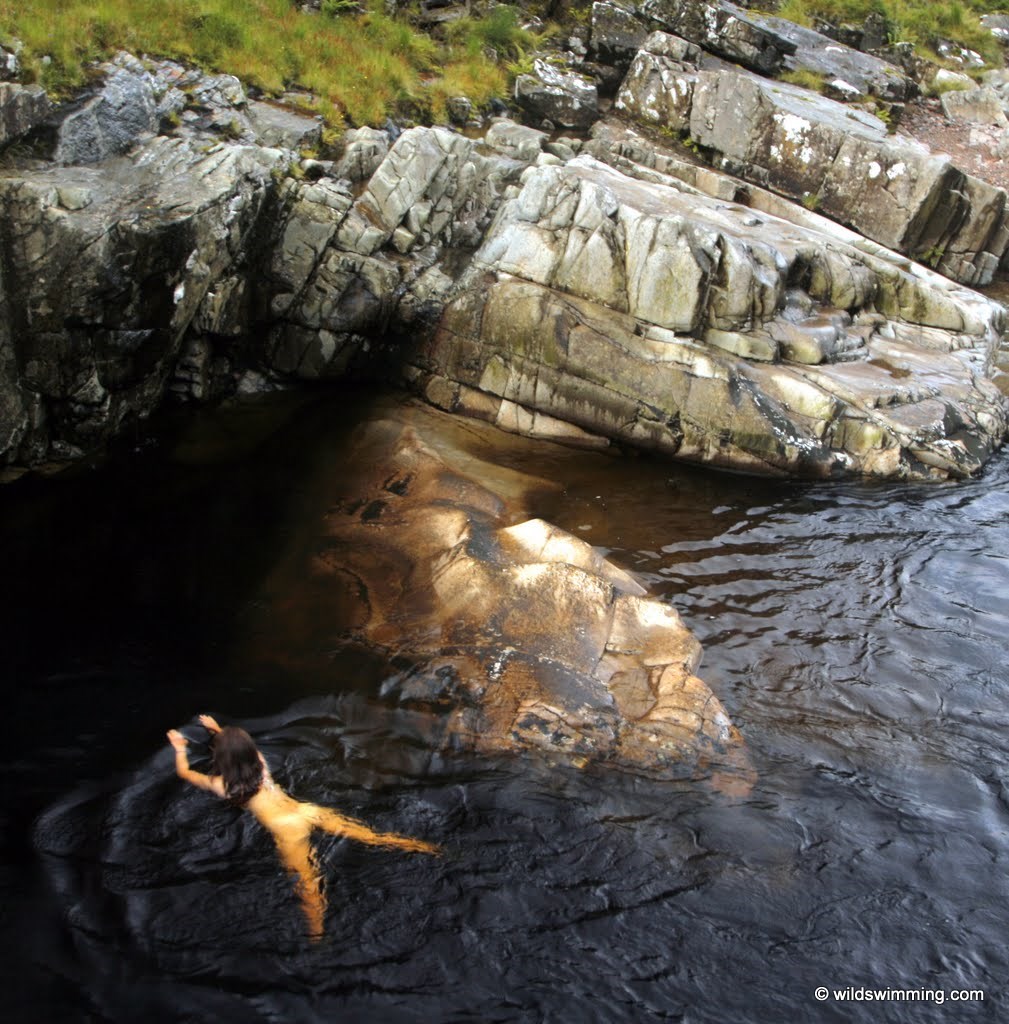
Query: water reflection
{"points": [[856, 635]]}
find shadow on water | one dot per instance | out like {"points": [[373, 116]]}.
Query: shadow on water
{"points": [[855, 634]]}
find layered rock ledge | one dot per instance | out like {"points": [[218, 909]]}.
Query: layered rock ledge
{"points": [[622, 295], [838, 159], [652, 313]]}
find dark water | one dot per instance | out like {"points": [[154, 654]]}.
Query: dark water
{"points": [[855, 633]]}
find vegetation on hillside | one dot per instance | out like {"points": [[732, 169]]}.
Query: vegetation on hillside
{"points": [[925, 23], [360, 66]]}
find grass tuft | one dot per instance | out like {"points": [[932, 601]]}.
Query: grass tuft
{"points": [[924, 23]]}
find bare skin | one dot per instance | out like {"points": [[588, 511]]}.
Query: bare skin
{"points": [[291, 823]]}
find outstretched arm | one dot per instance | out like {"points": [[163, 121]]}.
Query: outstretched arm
{"points": [[212, 783], [209, 723]]}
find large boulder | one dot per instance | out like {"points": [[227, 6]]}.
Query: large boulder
{"points": [[979, 105], [617, 33], [563, 98], [106, 266], [645, 311], [840, 160], [511, 634], [22, 109], [122, 112]]}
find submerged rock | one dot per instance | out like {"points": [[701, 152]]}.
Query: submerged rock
{"points": [[518, 635]]}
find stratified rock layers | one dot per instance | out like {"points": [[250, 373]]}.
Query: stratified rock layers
{"points": [[839, 159], [622, 294], [703, 329]]}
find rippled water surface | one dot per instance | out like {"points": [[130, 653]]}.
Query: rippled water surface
{"points": [[856, 635]]}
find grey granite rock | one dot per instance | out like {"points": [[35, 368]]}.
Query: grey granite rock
{"points": [[839, 159], [723, 29], [22, 109], [564, 98]]}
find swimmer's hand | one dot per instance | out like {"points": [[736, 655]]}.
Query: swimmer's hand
{"points": [[209, 723], [177, 740]]}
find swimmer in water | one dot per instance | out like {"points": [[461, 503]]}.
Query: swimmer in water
{"points": [[243, 778]]}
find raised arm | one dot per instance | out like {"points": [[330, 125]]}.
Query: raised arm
{"points": [[209, 723], [212, 783]]}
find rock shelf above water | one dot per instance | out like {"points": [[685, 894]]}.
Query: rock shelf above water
{"points": [[622, 295], [659, 316]]}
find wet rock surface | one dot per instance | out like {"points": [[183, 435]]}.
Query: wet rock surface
{"points": [[516, 634], [670, 319]]}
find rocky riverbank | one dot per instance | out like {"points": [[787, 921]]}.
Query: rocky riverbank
{"points": [[726, 268]]}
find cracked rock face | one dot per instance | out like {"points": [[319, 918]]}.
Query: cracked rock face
{"points": [[620, 295], [22, 108], [519, 635], [653, 314], [840, 160], [563, 98], [723, 29], [840, 65], [106, 268]]}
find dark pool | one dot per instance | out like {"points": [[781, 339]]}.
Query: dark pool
{"points": [[855, 633]]}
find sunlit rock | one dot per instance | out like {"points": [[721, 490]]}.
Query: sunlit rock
{"points": [[519, 636], [839, 159], [639, 308]]}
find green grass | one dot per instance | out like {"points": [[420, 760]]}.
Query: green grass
{"points": [[360, 67], [804, 78], [922, 22]]}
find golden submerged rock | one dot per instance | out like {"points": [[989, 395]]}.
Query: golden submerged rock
{"points": [[520, 636]]}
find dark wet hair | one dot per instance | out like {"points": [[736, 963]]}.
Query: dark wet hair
{"points": [[236, 760]]}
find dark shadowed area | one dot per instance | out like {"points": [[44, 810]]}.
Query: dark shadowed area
{"points": [[854, 633]]}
